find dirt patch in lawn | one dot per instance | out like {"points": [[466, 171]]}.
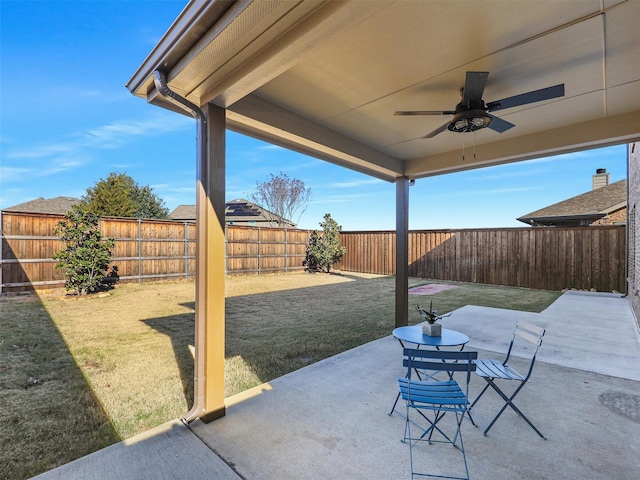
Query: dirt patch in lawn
{"points": [[430, 289]]}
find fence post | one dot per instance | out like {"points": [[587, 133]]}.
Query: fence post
{"points": [[139, 250], [226, 249], [185, 250], [286, 250], [259, 252]]}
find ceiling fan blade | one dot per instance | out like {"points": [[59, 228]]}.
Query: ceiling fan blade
{"points": [[425, 112], [526, 98], [499, 125], [474, 86], [437, 131]]}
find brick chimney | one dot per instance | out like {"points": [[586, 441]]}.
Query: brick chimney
{"points": [[601, 178]]}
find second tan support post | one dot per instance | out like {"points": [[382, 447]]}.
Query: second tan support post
{"points": [[402, 251]]}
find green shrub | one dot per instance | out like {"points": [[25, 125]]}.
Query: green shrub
{"points": [[324, 250], [86, 255]]}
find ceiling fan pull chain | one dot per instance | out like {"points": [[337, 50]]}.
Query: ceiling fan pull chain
{"points": [[474, 145], [463, 137]]}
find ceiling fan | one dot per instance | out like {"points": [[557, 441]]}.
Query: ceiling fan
{"points": [[472, 114]]}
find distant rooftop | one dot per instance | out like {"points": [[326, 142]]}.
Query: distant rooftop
{"points": [[183, 212], [57, 205], [591, 205], [237, 212]]}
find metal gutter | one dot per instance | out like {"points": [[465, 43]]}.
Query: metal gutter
{"points": [[201, 153], [196, 17]]}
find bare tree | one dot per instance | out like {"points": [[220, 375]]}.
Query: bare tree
{"points": [[285, 197]]}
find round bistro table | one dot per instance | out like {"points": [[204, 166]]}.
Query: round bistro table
{"points": [[413, 334]]}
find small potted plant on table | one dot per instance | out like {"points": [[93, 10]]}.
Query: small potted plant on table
{"points": [[430, 327]]}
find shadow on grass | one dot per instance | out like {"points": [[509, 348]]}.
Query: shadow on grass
{"points": [[271, 334], [49, 414], [181, 331], [268, 335]]}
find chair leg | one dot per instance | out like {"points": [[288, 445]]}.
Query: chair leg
{"points": [[394, 405], [398, 396], [481, 393], [460, 418], [509, 403], [408, 438], [433, 426], [474, 402]]}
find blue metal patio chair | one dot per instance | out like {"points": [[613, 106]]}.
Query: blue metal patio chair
{"points": [[492, 370], [427, 401]]}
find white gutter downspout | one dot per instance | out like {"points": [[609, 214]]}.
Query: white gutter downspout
{"points": [[201, 154]]}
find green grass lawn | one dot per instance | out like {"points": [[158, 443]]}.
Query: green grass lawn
{"points": [[78, 374]]}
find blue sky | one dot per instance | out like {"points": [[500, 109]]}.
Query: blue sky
{"points": [[67, 120]]}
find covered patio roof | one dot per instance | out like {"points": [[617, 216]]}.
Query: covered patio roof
{"points": [[325, 78]]}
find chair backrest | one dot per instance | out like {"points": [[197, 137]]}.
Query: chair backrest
{"points": [[439, 360], [532, 335]]}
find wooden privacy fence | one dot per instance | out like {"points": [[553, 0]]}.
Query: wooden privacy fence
{"points": [[541, 257], [145, 250], [546, 258], [265, 250]]}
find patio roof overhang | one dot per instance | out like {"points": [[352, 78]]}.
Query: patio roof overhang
{"points": [[325, 77], [560, 219]]}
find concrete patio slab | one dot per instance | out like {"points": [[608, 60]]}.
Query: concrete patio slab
{"points": [[590, 331], [330, 420], [169, 451]]}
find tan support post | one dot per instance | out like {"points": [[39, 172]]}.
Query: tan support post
{"points": [[210, 274], [402, 251]]}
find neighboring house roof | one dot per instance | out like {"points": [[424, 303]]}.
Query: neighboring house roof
{"points": [[183, 212], [58, 205], [587, 206], [238, 211], [241, 211]]}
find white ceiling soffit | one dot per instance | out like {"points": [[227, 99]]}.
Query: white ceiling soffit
{"points": [[325, 78]]}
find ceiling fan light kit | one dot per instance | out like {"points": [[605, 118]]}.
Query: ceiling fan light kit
{"points": [[469, 121], [471, 113]]}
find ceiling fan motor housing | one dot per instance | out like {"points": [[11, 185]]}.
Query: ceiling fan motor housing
{"points": [[469, 120]]}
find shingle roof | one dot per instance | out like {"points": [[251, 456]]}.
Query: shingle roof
{"points": [[236, 211], [58, 205], [183, 212], [595, 204]]}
